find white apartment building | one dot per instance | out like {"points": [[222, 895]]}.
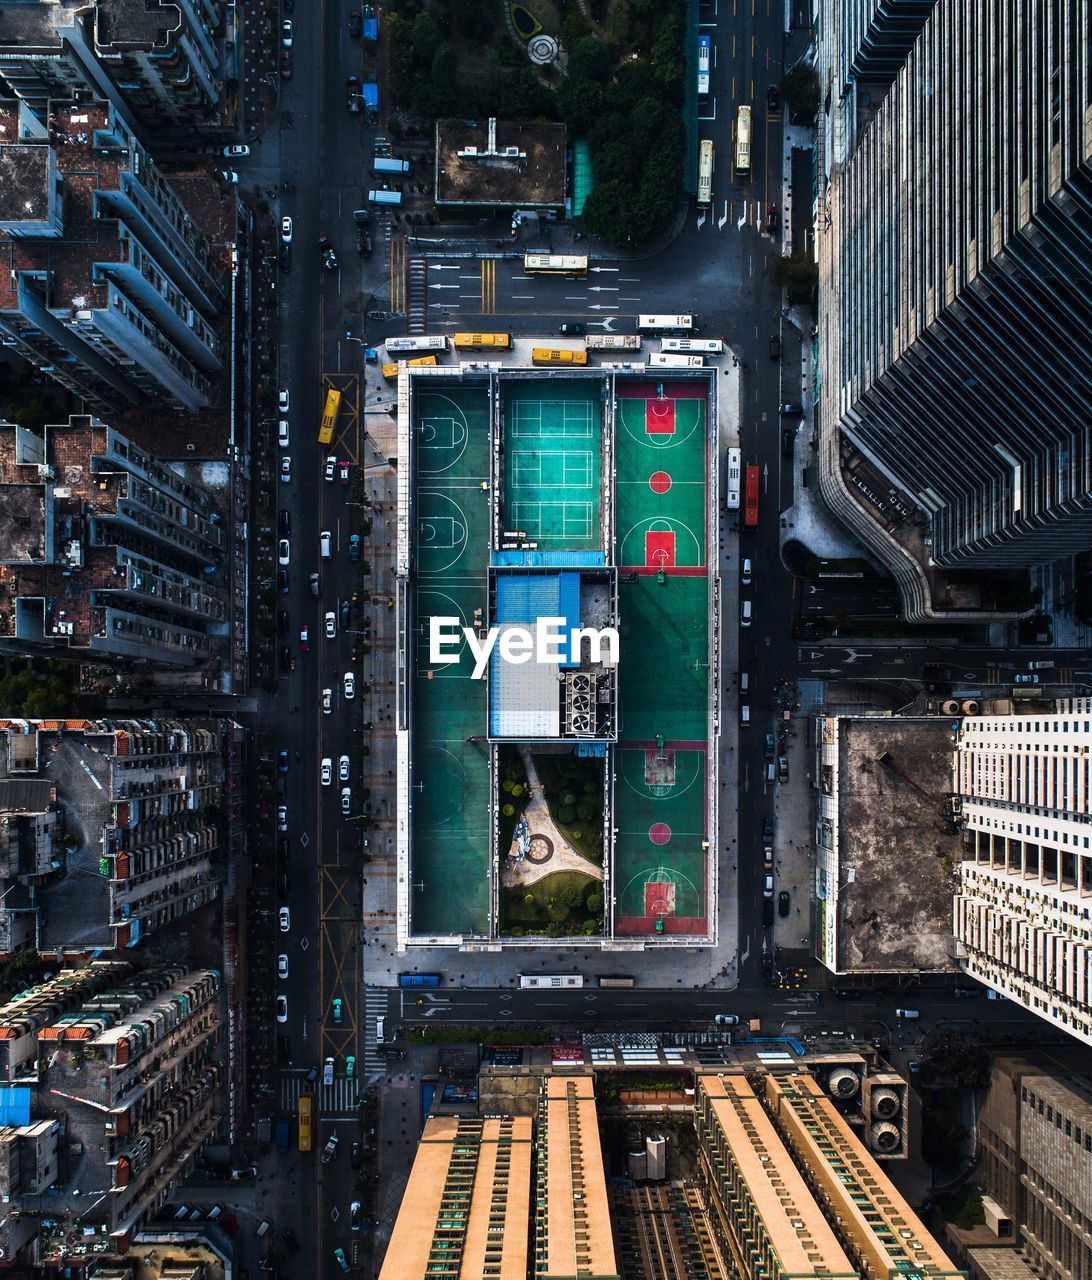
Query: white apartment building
{"points": [[1022, 912]]}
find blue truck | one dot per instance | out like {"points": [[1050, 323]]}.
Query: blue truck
{"points": [[282, 1133]]}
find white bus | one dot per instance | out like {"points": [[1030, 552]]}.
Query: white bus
{"points": [[613, 342], [550, 980], [401, 346], [665, 324], [668, 360], [705, 173], [743, 142], [554, 264], [704, 58], [707, 346], [731, 492]]}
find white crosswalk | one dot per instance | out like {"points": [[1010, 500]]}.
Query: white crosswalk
{"points": [[375, 1006], [342, 1095]]}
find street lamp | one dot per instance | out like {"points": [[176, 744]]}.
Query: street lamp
{"points": [[349, 338]]}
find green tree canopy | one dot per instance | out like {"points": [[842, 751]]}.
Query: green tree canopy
{"points": [[800, 89], [798, 275]]}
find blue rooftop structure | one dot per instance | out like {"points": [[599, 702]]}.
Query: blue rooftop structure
{"points": [[523, 699], [14, 1106]]}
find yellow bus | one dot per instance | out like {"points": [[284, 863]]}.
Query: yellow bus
{"points": [[304, 1118], [554, 264], [482, 341], [329, 417], [743, 141], [550, 355], [390, 371], [705, 173]]}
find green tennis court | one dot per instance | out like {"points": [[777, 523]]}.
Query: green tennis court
{"points": [[450, 865], [553, 448]]}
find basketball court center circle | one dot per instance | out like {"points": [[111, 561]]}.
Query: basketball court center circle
{"points": [[659, 482], [659, 833]]}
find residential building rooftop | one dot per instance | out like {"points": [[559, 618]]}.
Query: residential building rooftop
{"points": [[888, 846]]}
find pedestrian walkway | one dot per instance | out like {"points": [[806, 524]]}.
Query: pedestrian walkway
{"points": [[376, 1006], [341, 1097]]}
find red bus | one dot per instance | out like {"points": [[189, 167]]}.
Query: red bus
{"points": [[750, 497]]}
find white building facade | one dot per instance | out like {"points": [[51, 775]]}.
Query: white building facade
{"points": [[1022, 913]]}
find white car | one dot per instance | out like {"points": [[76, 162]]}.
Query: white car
{"points": [[327, 701], [343, 769], [282, 433], [329, 469], [282, 1008], [326, 771], [286, 470], [346, 799], [284, 552], [282, 966], [283, 400], [767, 887], [349, 685], [324, 544], [239, 149], [726, 1019], [284, 920], [286, 33], [331, 625], [286, 229], [229, 176], [282, 817]]}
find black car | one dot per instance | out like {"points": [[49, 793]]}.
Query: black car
{"points": [[346, 609], [787, 437], [290, 1241], [773, 98], [352, 93], [783, 903], [848, 993], [286, 887], [282, 581], [285, 849], [284, 1049], [286, 658], [571, 330], [286, 65], [767, 912], [282, 621], [356, 1156], [284, 521], [767, 827], [354, 26], [286, 258]]}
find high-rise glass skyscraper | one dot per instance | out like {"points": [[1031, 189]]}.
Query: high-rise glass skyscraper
{"points": [[954, 240]]}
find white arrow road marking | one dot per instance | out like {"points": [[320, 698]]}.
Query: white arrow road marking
{"points": [[443, 286], [701, 221]]}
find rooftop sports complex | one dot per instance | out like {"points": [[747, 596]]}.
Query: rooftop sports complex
{"points": [[571, 801]]}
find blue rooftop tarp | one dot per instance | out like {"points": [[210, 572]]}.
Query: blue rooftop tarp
{"points": [[371, 29], [548, 559], [14, 1106]]}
